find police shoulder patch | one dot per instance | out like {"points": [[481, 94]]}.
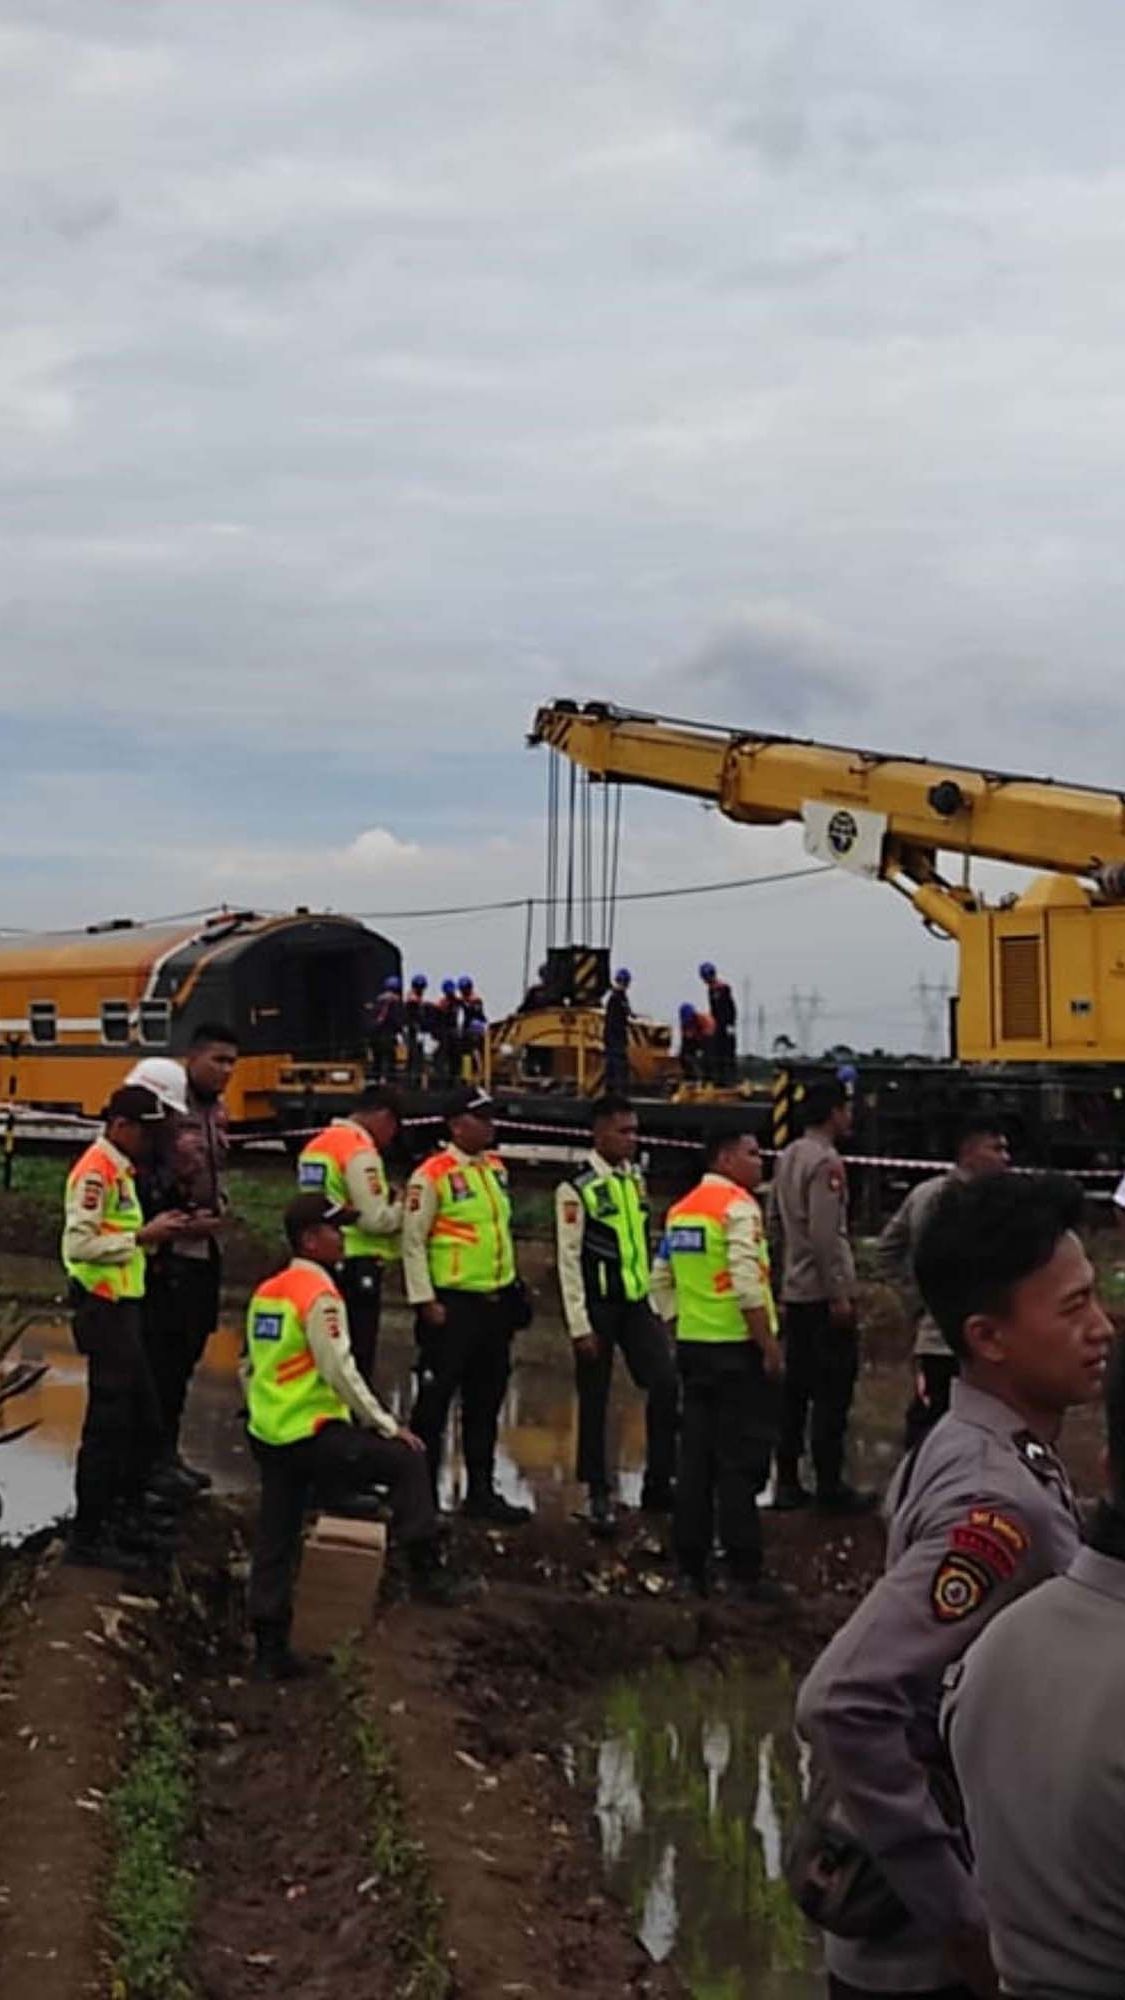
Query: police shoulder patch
{"points": [[413, 1200], [959, 1588], [91, 1191], [571, 1213]]}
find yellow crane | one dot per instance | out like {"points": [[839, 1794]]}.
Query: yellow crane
{"points": [[1042, 974]]}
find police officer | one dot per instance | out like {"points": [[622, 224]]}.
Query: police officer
{"points": [[615, 1033], [346, 1163], [315, 1426], [724, 1013], [104, 1245], [980, 1512], [981, 1149], [712, 1274], [1036, 1729], [601, 1234], [810, 1202], [459, 1267]]}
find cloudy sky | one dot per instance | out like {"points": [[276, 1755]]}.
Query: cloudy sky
{"points": [[370, 371]]}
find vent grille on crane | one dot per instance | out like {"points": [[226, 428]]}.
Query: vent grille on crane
{"points": [[1021, 1007]]}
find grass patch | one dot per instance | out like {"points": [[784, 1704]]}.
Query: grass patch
{"points": [[151, 1894], [398, 1862]]}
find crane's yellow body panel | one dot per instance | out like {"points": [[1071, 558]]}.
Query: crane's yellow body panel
{"points": [[1041, 980]]}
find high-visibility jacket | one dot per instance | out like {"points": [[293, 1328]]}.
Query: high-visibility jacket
{"points": [[287, 1397], [99, 1180], [323, 1169], [615, 1259], [470, 1247], [697, 1248]]}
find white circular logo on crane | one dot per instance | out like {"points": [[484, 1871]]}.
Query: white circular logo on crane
{"points": [[843, 831]]}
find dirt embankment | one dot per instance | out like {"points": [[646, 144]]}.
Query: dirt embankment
{"points": [[404, 1830]]}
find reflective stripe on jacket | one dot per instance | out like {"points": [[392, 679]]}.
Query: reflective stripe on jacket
{"points": [[287, 1398]]}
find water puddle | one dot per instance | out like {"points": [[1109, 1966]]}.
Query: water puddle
{"points": [[535, 1459], [694, 1777]]}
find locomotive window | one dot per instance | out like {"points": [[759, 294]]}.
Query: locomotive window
{"points": [[115, 1020], [155, 1021], [43, 1020]]}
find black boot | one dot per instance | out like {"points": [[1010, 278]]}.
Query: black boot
{"points": [[273, 1658], [430, 1580], [600, 1516], [485, 1505], [96, 1548]]}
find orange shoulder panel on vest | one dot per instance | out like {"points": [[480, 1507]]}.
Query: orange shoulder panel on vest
{"points": [[340, 1142], [95, 1161], [437, 1165], [494, 1160], [300, 1288], [712, 1201]]}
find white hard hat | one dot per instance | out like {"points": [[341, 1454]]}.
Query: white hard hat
{"points": [[166, 1079]]}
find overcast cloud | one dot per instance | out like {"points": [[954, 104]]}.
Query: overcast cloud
{"points": [[370, 371]]}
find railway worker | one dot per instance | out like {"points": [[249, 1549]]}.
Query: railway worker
{"points": [[615, 1033], [460, 1271], [818, 1286], [1034, 1726], [105, 1245], [980, 1512], [471, 1028], [446, 1029], [316, 1427], [416, 1022], [697, 1035], [601, 1235], [712, 1275], [345, 1162], [182, 1299], [982, 1148], [386, 1029], [724, 1013]]}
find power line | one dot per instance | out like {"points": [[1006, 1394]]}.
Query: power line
{"points": [[630, 896]]}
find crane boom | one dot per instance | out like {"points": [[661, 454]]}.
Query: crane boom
{"points": [[1040, 974]]}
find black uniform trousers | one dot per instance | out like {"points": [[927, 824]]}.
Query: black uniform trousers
{"points": [[470, 1355], [179, 1313], [821, 1365], [340, 1460], [616, 1066], [121, 1432], [647, 1352], [938, 1372], [838, 1989], [361, 1283], [728, 1428]]}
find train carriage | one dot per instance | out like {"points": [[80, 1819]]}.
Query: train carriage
{"points": [[78, 1008]]}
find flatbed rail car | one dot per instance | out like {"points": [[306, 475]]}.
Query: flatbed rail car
{"points": [[79, 1008]]}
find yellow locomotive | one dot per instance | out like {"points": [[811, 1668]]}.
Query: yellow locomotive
{"points": [[78, 1008]]}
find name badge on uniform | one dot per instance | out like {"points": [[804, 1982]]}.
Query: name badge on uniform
{"points": [[459, 1188], [267, 1326], [684, 1237], [311, 1174]]}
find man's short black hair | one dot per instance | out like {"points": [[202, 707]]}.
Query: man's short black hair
{"points": [[380, 1097], [821, 1100], [983, 1236], [212, 1031], [614, 1104], [977, 1125], [719, 1141]]}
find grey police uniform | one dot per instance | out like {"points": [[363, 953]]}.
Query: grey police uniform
{"points": [[980, 1513], [1040, 1757]]}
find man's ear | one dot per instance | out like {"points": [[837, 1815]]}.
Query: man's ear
{"points": [[984, 1339]]}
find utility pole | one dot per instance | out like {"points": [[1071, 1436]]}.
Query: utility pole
{"points": [[805, 1009], [933, 1003]]}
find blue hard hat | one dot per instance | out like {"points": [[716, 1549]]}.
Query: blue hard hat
{"points": [[393, 984], [449, 986], [623, 976], [465, 984], [707, 970], [419, 983], [687, 1012]]}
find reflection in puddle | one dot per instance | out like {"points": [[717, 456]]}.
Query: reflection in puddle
{"points": [[695, 1776]]}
